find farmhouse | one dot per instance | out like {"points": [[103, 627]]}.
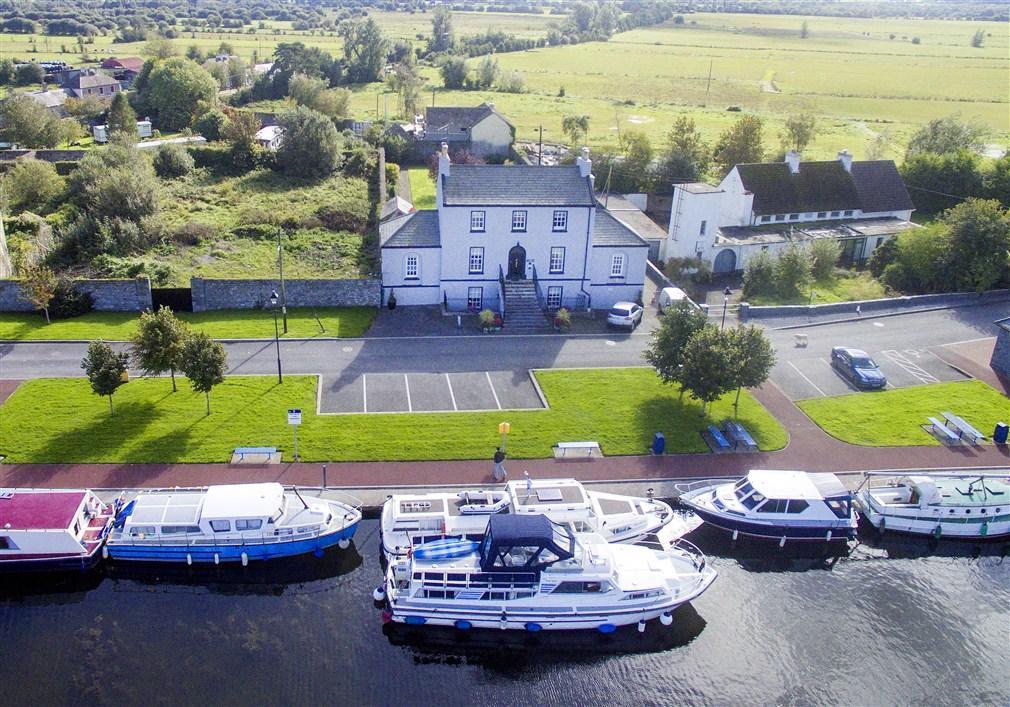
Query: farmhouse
{"points": [[482, 131], [521, 240], [124, 69], [771, 205], [91, 82]]}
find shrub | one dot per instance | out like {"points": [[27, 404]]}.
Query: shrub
{"points": [[759, 275], [487, 318], [256, 232], [68, 301], [512, 82], [793, 269], [311, 145], [193, 233], [336, 218], [361, 161], [824, 256], [171, 161], [110, 266], [33, 184], [211, 124], [392, 177], [396, 147], [882, 256]]}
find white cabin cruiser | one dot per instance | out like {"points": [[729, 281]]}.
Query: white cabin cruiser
{"points": [[779, 505], [411, 519], [942, 505], [531, 573]]}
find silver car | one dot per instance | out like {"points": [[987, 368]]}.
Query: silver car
{"points": [[627, 315]]}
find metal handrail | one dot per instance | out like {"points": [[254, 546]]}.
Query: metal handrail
{"points": [[686, 487], [536, 288], [501, 291]]}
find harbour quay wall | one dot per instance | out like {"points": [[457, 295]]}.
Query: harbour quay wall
{"points": [[128, 295], [212, 293]]}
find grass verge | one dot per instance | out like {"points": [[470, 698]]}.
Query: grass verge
{"points": [[892, 418], [152, 424], [422, 188], [844, 286], [346, 322]]}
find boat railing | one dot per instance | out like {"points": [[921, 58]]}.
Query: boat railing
{"points": [[193, 540], [689, 486], [688, 548]]}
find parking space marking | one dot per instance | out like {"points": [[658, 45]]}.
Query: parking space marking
{"points": [[899, 358], [364, 392], [812, 384], [496, 400], [406, 382], [451, 394]]}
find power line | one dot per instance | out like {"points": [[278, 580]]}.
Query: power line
{"points": [[941, 193]]}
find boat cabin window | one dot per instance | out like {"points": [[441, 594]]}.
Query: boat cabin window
{"points": [[252, 524], [743, 488], [773, 505], [797, 505], [839, 507], [142, 530], [579, 588], [220, 526], [5, 543], [178, 529], [753, 501]]}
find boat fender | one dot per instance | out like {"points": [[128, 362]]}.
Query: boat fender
{"points": [[503, 621], [415, 620], [782, 542], [343, 543], [379, 593], [641, 625], [937, 532], [828, 537], [606, 628], [105, 552], [189, 559], [245, 560], [533, 627], [984, 530], [387, 616], [217, 559], [736, 534], [462, 624], [666, 618], [883, 524]]}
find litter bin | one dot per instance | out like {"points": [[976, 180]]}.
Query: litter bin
{"points": [[999, 434], [659, 443]]}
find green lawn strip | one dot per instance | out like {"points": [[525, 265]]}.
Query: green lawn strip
{"points": [[620, 408], [892, 418], [422, 188], [347, 322], [849, 287]]}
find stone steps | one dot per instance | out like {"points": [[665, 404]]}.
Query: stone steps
{"points": [[522, 311]]}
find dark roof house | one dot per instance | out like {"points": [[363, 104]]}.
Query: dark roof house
{"points": [[91, 82], [531, 185]]}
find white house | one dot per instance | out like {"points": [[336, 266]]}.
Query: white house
{"points": [[770, 205], [480, 130], [502, 234], [269, 137]]}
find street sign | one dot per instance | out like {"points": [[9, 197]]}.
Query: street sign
{"points": [[295, 417]]}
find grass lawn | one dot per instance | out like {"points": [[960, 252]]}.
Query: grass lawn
{"points": [[152, 424], [844, 286], [892, 418], [347, 322], [422, 188]]}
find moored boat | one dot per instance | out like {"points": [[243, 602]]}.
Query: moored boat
{"points": [[776, 505], [973, 505], [532, 574], [51, 529], [229, 523], [411, 519]]}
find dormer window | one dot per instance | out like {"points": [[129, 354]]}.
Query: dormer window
{"points": [[780, 217], [822, 214], [794, 217], [849, 212]]}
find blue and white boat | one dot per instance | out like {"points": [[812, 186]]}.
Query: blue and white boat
{"points": [[776, 505], [230, 523]]}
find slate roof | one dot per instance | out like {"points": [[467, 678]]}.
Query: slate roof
{"points": [[49, 99], [633, 217], [91, 79], [824, 186], [516, 185], [811, 231], [457, 120], [418, 229], [610, 231]]}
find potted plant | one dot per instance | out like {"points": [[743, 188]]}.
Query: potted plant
{"points": [[487, 320], [562, 319]]}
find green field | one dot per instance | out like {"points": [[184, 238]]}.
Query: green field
{"points": [[346, 322], [848, 71], [893, 418], [422, 188], [152, 424]]}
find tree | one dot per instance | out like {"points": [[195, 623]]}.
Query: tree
{"points": [[70, 131], [753, 357], [406, 81], [292, 58], [122, 121], [32, 184], [176, 89], [365, 49], [172, 160], [919, 265], [6, 72], [665, 352], [759, 275], [487, 72], [637, 155], [443, 39], [29, 74], [311, 145], [936, 181], [87, 108], [105, 369], [241, 126], [38, 286], [204, 363], [158, 343], [741, 143], [116, 181], [709, 370], [882, 256], [799, 131], [576, 127], [824, 254], [996, 181], [211, 124], [793, 269], [158, 46], [947, 135], [979, 251], [29, 124], [687, 158], [454, 71], [315, 93]]}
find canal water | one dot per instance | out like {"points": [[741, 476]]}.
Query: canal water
{"points": [[892, 622]]}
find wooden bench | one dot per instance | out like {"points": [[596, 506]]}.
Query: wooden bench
{"points": [[578, 449], [736, 432], [964, 429], [943, 431], [240, 453], [718, 437]]}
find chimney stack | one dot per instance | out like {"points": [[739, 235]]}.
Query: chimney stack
{"points": [[793, 160], [443, 160], [845, 157], [585, 164]]}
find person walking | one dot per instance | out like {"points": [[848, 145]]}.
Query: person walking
{"points": [[499, 465]]}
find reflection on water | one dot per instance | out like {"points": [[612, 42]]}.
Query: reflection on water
{"points": [[889, 622]]}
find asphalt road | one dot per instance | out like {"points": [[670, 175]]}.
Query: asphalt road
{"points": [[345, 359]]}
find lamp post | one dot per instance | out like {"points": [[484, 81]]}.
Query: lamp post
{"points": [[725, 305], [277, 334]]}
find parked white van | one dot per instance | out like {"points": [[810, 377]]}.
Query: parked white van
{"points": [[668, 296]]}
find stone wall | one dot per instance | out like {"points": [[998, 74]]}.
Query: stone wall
{"points": [[1000, 360], [211, 294], [110, 295]]}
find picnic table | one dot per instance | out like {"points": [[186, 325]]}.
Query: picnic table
{"points": [[963, 428], [739, 434]]}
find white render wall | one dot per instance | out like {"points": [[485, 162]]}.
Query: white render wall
{"points": [[491, 136], [684, 238], [605, 289], [425, 290]]}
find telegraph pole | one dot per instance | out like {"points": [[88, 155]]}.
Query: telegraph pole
{"points": [[540, 156], [280, 267]]}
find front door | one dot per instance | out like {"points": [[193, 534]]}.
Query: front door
{"points": [[517, 263]]}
